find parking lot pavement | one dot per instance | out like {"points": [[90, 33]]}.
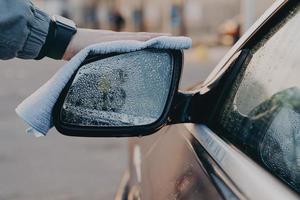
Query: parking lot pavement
{"points": [[57, 167]]}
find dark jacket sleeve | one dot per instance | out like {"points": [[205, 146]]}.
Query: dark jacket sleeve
{"points": [[23, 29]]}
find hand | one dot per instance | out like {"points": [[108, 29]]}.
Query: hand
{"points": [[86, 37]]}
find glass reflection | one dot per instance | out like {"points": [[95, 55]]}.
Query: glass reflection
{"points": [[125, 90]]}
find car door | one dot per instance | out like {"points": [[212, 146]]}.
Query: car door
{"points": [[246, 146]]}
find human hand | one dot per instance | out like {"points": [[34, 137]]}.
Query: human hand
{"points": [[86, 37]]}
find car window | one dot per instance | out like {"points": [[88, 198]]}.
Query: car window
{"points": [[262, 113]]}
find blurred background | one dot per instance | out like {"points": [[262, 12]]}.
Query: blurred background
{"points": [[58, 167], [203, 20]]}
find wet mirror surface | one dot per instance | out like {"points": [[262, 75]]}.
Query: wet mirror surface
{"points": [[125, 90]]}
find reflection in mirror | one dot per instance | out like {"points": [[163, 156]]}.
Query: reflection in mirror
{"points": [[125, 90]]}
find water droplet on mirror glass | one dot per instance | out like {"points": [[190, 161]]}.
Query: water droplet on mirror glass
{"points": [[124, 90]]}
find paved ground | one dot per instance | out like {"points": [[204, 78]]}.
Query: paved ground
{"points": [[58, 167]]}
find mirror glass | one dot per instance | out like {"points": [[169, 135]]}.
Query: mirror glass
{"points": [[125, 90]]}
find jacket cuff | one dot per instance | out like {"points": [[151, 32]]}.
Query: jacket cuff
{"points": [[38, 33]]}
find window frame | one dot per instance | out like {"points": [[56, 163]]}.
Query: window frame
{"points": [[235, 71]]}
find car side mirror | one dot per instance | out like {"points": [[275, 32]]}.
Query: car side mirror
{"points": [[118, 95]]}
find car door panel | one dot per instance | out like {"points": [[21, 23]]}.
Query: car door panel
{"points": [[170, 167], [250, 179]]}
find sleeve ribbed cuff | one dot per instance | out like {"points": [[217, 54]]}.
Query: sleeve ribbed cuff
{"points": [[38, 33]]}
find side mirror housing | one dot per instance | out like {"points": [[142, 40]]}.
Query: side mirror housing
{"points": [[120, 95]]}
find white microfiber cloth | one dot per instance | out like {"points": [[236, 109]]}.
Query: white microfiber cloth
{"points": [[36, 110]]}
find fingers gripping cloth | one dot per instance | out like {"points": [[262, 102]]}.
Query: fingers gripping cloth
{"points": [[36, 110]]}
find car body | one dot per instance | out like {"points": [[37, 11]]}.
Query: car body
{"points": [[200, 160], [234, 136]]}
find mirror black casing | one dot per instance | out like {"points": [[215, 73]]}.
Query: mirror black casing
{"points": [[133, 131]]}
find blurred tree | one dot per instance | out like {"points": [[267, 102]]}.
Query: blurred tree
{"points": [[178, 17], [142, 26], [117, 20], [90, 14], [65, 9], [183, 29], [249, 11]]}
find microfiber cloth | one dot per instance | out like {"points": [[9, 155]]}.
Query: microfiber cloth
{"points": [[36, 110]]}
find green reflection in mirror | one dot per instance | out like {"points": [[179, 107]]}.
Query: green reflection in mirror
{"points": [[125, 90]]}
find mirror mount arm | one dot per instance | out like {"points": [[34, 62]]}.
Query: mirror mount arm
{"points": [[192, 107], [184, 108], [197, 107]]}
